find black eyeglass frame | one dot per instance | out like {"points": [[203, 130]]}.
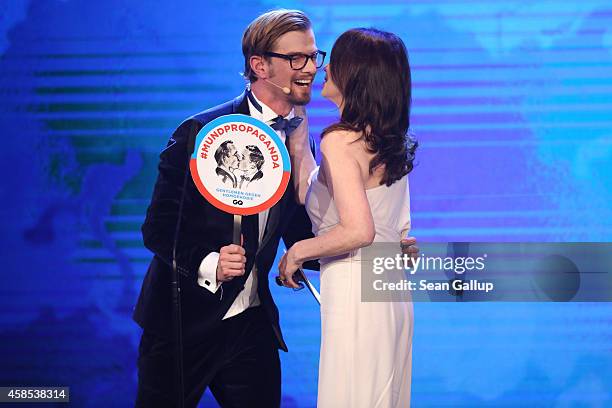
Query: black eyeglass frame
{"points": [[291, 57]]}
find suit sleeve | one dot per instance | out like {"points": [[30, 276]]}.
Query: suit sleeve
{"points": [[160, 223]]}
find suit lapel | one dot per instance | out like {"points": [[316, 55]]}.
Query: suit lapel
{"points": [[273, 218], [275, 214], [241, 105]]}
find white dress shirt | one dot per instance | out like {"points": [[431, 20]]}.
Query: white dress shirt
{"points": [[207, 273]]}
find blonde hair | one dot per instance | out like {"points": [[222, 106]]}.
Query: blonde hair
{"points": [[261, 35]]}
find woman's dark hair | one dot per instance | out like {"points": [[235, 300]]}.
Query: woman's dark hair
{"points": [[370, 68]]}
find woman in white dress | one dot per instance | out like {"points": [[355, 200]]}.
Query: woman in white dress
{"points": [[358, 196]]}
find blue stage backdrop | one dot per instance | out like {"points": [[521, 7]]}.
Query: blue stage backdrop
{"points": [[512, 106]]}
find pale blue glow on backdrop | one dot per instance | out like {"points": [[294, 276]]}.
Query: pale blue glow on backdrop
{"points": [[512, 106]]}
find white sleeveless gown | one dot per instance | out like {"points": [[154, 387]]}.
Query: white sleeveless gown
{"points": [[366, 348]]}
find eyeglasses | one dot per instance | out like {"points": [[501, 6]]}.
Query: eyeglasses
{"points": [[299, 61]]}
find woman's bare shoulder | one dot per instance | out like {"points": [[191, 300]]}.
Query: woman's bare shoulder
{"points": [[339, 140]]}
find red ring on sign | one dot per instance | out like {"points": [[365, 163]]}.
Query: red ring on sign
{"points": [[237, 210]]}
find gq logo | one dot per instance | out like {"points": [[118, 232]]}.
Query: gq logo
{"points": [[237, 202]]}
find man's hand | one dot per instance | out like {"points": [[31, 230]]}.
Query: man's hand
{"points": [[299, 137], [409, 247], [232, 261]]}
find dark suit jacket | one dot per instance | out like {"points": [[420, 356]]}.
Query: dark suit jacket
{"points": [[244, 182], [225, 175], [257, 176], [205, 229]]}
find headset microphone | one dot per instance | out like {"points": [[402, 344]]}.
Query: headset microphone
{"points": [[285, 90]]}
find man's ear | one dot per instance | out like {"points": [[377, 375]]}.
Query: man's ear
{"points": [[259, 66]]}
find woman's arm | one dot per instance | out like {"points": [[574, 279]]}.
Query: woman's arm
{"points": [[344, 177], [302, 159]]}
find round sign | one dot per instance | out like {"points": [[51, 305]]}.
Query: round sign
{"points": [[240, 165]]}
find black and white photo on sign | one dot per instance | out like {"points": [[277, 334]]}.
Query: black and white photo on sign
{"points": [[238, 168]]}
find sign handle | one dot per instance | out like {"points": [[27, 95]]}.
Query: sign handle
{"points": [[237, 224]]}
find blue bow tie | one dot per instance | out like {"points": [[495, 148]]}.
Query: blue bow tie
{"points": [[280, 123], [288, 125]]}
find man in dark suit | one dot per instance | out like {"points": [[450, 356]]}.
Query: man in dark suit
{"points": [[230, 324], [250, 165], [231, 333], [228, 160]]}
